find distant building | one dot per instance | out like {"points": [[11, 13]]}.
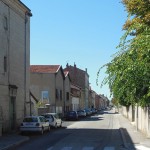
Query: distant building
{"points": [[81, 79], [75, 97], [47, 83], [67, 92], [92, 98], [14, 63]]}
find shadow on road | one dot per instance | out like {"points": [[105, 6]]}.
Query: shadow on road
{"points": [[102, 138]]}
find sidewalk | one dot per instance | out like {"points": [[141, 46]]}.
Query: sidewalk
{"points": [[133, 139], [10, 140]]}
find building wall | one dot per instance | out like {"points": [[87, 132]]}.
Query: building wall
{"points": [[97, 101], [80, 78], [75, 103], [67, 89], [15, 53], [43, 82], [60, 87], [142, 120]]}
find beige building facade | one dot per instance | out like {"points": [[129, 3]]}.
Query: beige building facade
{"points": [[47, 85], [14, 63], [67, 92]]}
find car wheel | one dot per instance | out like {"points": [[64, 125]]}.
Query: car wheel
{"points": [[49, 128], [22, 133], [61, 124], [55, 125], [42, 131]]}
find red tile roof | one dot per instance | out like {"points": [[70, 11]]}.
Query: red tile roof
{"points": [[44, 68]]}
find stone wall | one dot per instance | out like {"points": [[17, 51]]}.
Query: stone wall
{"points": [[141, 120], [14, 60]]}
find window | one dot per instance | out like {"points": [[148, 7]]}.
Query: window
{"points": [[5, 64], [42, 119], [60, 94], [57, 94], [67, 95], [45, 96]]}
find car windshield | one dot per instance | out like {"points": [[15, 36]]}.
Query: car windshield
{"points": [[71, 112], [30, 120], [47, 116]]}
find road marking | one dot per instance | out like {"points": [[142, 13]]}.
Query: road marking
{"points": [[142, 147], [109, 148]]}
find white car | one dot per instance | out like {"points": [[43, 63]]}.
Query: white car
{"points": [[34, 124], [54, 119]]}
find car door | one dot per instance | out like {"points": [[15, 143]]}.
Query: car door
{"points": [[43, 122], [58, 120]]}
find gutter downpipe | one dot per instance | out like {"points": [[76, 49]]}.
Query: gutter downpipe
{"points": [[55, 93], [25, 49], [27, 13]]}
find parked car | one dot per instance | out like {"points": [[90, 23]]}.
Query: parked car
{"points": [[94, 110], [88, 112], [34, 124], [81, 113], [53, 119], [71, 115]]}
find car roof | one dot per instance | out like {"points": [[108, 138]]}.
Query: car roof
{"points": [[50, 114]]}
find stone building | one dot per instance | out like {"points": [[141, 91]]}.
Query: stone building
{"points": [[75, 98], [80, 78], [14, 63], [67, 92]]}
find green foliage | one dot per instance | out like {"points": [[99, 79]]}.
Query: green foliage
{"points": [[129, 71], [40, 104]]}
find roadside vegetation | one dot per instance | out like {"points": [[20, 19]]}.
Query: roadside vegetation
{"points": [[128, 73]]}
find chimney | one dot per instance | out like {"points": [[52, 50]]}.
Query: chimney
{"points": [[86, 70], [67, 65], [74, 65]]}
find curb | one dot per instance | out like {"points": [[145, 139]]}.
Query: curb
{"points": [[123, 138], [15, 144]]}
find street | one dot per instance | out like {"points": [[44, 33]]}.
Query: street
{"points": [[97, 132]]}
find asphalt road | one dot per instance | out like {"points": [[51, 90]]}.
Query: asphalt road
{"points": [[96, 132]]}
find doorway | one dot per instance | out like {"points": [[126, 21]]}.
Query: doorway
{"points": [[12, 113]]}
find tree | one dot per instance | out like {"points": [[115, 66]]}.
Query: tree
{"points": [[129, 71]]}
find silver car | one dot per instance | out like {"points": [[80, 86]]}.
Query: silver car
{"points": [[81, 113], [34, 124], [54, 119]]}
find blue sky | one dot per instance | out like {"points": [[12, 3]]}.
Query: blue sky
{"points": [[84, 32]]}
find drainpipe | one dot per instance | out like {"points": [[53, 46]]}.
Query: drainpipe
{"points": [[64, 96], [55, 93], [25, 59]]}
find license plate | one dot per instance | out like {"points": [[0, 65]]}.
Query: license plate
{"points": [[29, 124]]}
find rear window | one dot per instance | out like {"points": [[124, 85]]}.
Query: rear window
{"points": [[30, 120], [71, 112]]}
